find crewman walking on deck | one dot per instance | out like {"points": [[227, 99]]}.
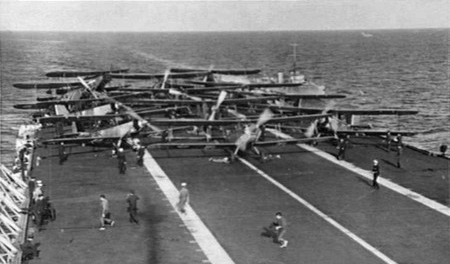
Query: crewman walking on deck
{"points": [[105, 218], [122, 162], [140, 155], [184, 198], [399, 154], [279, 227], [62, 153], [376, 173], [388, 140], [38, 211], [399, 140], [132, 206], [341, 149]]}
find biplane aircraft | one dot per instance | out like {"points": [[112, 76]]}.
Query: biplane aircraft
{"points": [[342, 121], [295, 84]]}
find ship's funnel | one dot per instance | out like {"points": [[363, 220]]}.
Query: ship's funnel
{"points": [[280, 77]]}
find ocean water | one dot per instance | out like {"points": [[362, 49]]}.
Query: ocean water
{"points": [[405, 69]]}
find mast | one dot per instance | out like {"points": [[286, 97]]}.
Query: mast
{"points": [[294, 47]]}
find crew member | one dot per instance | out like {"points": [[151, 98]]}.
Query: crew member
{"points": [[388, 140], [105, 218], [39, 209], [122, 162], [279, 227], [376, 173], [184, 198], [341, 149], [29, 249], [62, 153], [399, 140], [132, 206], [140, 155], [399, 154]]}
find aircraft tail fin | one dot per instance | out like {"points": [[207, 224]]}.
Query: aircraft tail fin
{"points": [[74, 128], [61, 110]]}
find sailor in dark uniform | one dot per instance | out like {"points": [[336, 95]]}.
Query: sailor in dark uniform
{"points": [[62, 153], [399, 154], [399, 140], [388, 140], [122, 162], [376, 173], [341, 149], [140, 155], [279, 228]]}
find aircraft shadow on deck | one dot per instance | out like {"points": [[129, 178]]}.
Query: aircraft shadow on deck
{"points": [[389, 162], [72, 153]]}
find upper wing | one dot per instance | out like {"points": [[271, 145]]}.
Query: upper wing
{"points": [[344, 111], [145, 76], [251, 85], [219, 71], [78, 140], [203, 122], [81, 73], [73, 118], [375, 133], [232, 144]]}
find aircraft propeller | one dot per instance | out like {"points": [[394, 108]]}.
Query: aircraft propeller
{"points": [[333, 122], [87, 86], [176, 92], [319, 87], [237, 114], [214, 108], [253, 131], [166, 76]]}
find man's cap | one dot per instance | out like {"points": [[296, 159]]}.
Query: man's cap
{"points": [[375, 161], [183, 184]]}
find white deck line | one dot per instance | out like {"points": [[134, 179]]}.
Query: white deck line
{"points": [[205, 239], [368, 174], [360, 241]]}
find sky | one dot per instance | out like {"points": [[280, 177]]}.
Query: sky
{"points": [[237, 15]]}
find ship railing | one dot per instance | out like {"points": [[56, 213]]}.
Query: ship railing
{"points": [[16, 197]]}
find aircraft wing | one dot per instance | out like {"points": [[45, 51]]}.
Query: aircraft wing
{"points": [[297, 96], [194, 145], [233, 145], [210, 101], [223, 122], [78, 140], [219, 71], [74, 73], [146, 76], [247, 85], [46, 84], [77, 118], [212, 89], [46, 104], [291, 141], [375, 132], [310, 110]]}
